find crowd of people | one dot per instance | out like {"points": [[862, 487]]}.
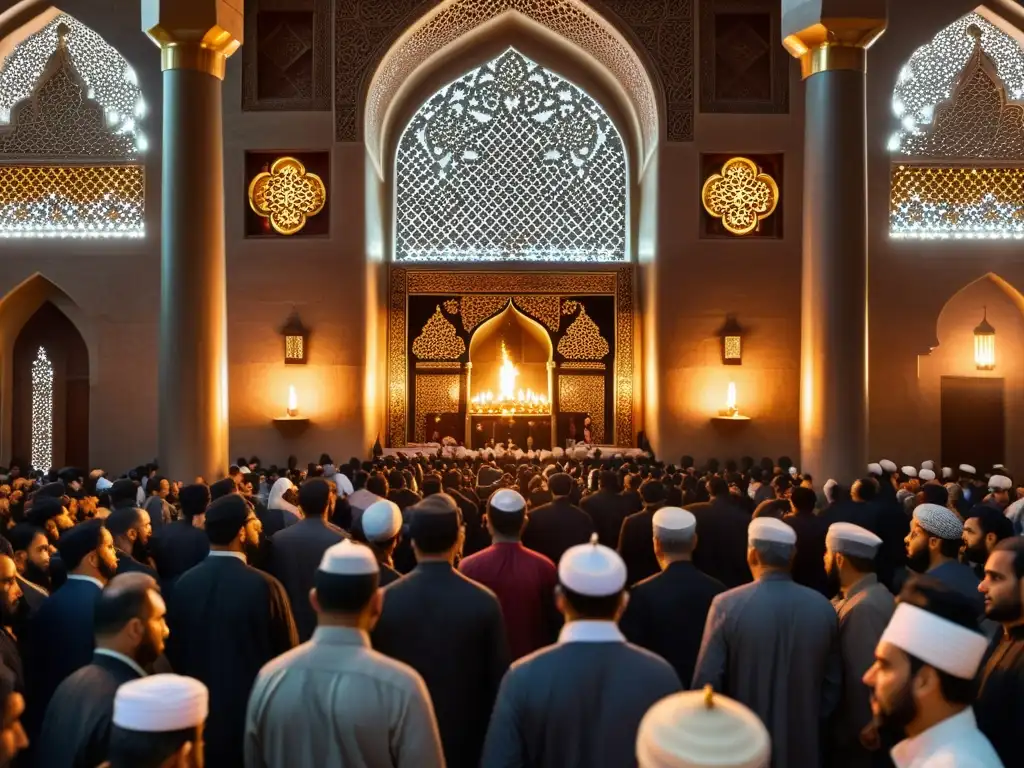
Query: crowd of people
{"points": [[511, 610]]}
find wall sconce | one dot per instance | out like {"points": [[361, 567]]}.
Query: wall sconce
{"points": [[296, 338], [291, 419], [985, 344], [732, 342]]}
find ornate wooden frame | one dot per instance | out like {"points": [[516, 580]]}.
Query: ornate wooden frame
{"points": [[404, 282]]}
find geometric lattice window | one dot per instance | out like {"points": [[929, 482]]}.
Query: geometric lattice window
{"points": [[958, 165], [42, 412], [67, 158], [510, 162]]}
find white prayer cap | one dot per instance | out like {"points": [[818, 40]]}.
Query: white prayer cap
{"points": [[102, 484], [927, 475], [909, 471], [936, 641], [967, 469], [381, 520], [1000, 483], [998, 466], [161, 703], [928, 465], [343, 484], [770, 529], [875, 469], [349, 559], [888, 466], [592, 569], [507, 500], [794, 471], [852, 540], [673, 523], [830, 486], [699, 729], [939, 521], [947, 472]]}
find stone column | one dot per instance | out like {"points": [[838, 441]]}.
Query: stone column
{"points": [[195, 38], [831, 38]]}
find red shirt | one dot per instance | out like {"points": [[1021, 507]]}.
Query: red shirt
{"points": [[524, 582]]}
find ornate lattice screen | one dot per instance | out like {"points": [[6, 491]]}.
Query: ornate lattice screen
{"points": [[511, 162], [959, 149]]}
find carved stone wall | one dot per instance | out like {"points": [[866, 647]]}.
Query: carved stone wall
{"points": [[364, 30]]}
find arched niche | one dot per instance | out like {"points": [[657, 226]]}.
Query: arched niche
{"points": [[66, 390], [18, 311], [949, 380], [569, 37], [528, 346]]}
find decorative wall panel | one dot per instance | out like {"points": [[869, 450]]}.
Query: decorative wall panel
{"points": [[741, 196], [583, 340], [584, 394], [287, 194], [286, 64], [663, 29], [434, 394], [743, 66], [542, 308], [438, 340]]}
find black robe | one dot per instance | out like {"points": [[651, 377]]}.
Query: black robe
{"points": [[128, 564], [450, 630], [177, 547], [607, 509], [1000, 703], [553, 528], [60, 641], [227, 620], [722, 541], [636, 545], [76, 730]]}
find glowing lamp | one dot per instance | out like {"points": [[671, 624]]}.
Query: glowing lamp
{"points": [[296, 337], [293, 402], [731, 412], [985, 344], [732, 342]]}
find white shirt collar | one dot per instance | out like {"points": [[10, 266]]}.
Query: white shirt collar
{"points": [[227, 553], [951, 730], [90, 579], [591, 632], [122, 658]]}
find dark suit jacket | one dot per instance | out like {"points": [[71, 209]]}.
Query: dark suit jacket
{"points": [[34, 594], [722, 541], [128, 564], [636, 545], [76, 730], [176, 548], [227, 620], [553, 528], [10, 657], [295, 554], [666, 614], [450, 630], [403, 497], [809, 560], [388, 575], [607, 509], [60, 641]]}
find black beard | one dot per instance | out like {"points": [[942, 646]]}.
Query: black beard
{"points": [[1006, 612], [918, 561], [140, 551], [107, 571], [891, 725], [975, 554], [832, 584], [38, 576]]}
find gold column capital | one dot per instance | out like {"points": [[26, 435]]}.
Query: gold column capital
{"points": [[194, 34], [828, 35]]}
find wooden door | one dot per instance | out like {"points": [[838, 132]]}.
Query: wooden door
{"points": [[973, 422]]}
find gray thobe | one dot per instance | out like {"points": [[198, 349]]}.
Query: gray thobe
{"points": [[334, 701], [576, 704], [864, 611], [773, 645]]}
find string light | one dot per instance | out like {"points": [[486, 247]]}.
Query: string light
{"points": [[42, 412]]}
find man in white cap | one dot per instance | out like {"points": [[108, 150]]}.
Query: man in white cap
{"points": [[382, 529], [864, 607], [666, 612], [923, 680], [580, 702], [933, 547], [926, 476], [334, 700], [999, 487], [158, 723], [523, 580], [774, 646], [702, 729], [448, 628]]}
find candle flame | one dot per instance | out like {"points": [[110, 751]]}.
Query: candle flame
{"points": [[730, 400], [293, 401], [507, 376]]}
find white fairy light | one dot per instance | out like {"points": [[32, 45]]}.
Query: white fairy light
{"points": [[42, 412]]}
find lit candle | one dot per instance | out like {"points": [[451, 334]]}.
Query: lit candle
{"points": [[293, 401], [730, 400]]}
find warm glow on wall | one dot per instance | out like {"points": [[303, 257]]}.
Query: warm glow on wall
{"points": [[985, 345], [293, 401]]}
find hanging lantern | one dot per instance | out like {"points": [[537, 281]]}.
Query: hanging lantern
{"points": [[985, 345], [296, 338], [732, 342]]}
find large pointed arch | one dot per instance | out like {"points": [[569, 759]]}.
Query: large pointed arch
{"points": [[454, 25], [17, 307]]}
